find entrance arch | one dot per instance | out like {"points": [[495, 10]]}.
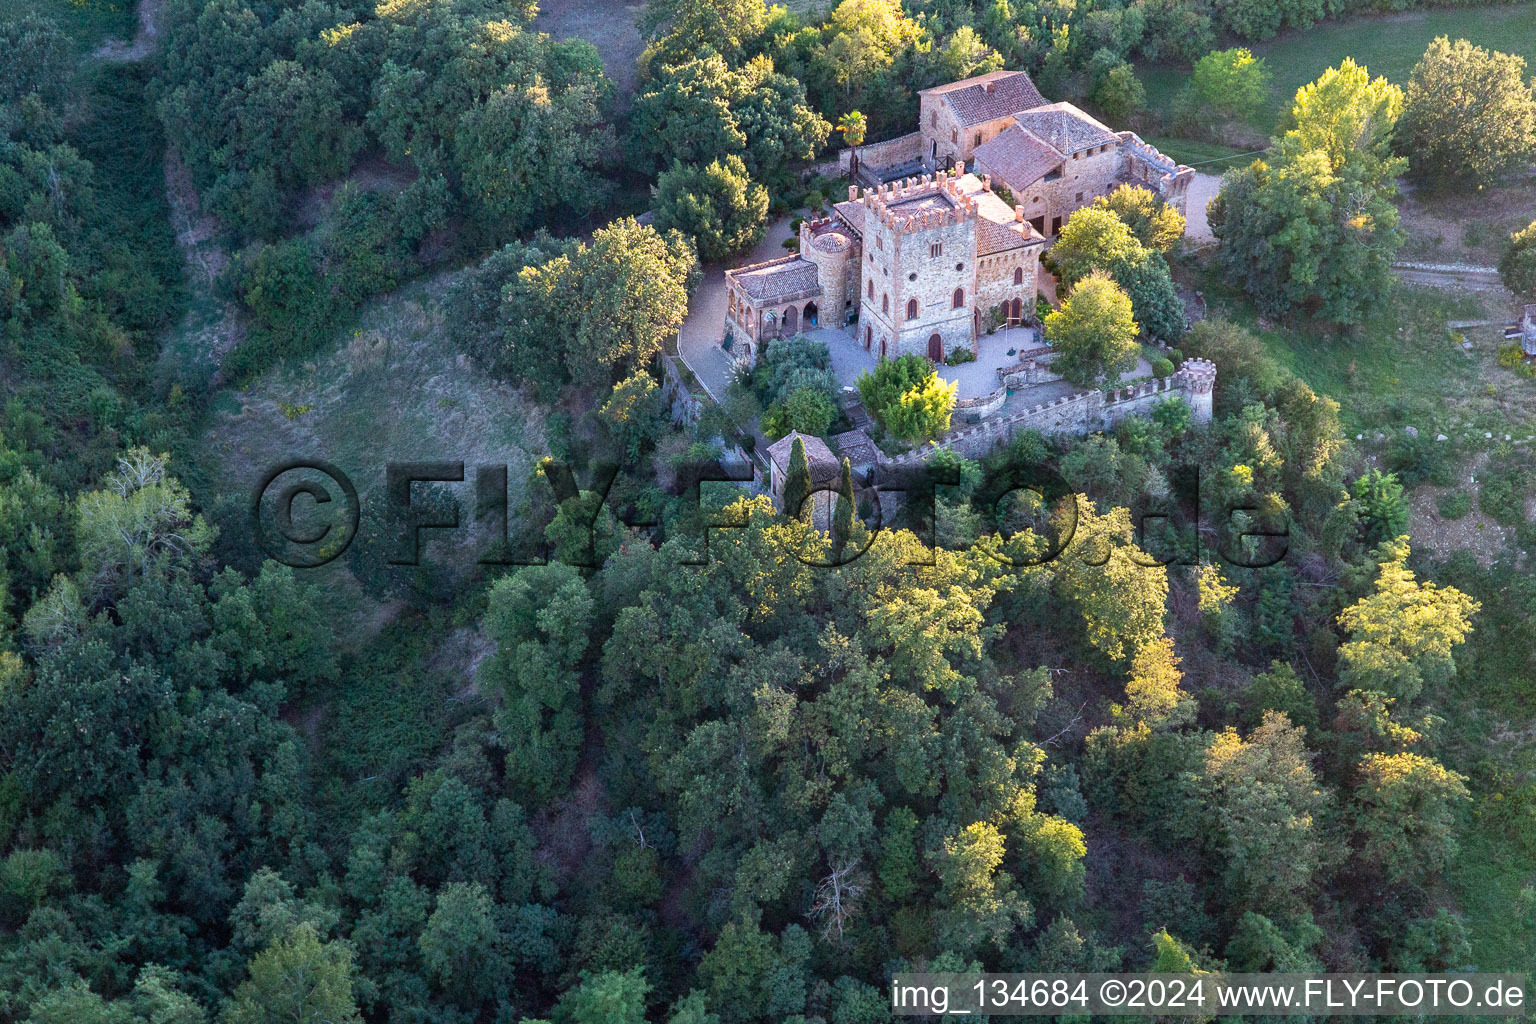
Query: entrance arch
{"points": [[790, 321], [810, 314], [935, 348], [1017, 315]]}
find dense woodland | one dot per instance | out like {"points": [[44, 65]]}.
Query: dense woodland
{"points": [[724, 767]]}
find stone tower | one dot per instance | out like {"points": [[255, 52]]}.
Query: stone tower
{"points": [[919, 267], [825, 243], [1197, 377]]}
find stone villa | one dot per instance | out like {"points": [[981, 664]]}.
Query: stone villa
{"points": [[925, 256]]}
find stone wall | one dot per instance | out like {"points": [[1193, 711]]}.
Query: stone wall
{"points": [[1080, 413], [1144, 164], [891, 153], [685, 407]]}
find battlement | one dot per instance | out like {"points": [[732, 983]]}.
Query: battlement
{"points": [[918, 204], [1081, 412], [1198, 374]]}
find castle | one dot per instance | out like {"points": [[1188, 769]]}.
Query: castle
{"points": [[925, 256]]}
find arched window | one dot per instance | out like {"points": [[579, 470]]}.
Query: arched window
{"points": [[885, 303], [1018, 275], [958, 301], [869, 335], [911, 309], [871, 287]]}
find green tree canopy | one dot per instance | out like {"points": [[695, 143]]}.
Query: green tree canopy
{"points": [[297, 980], [718, 206], [1469, 115], [1402, 635], [1406, 815], [1517, 264], [1231, 83], [1094, 332], [1264, 804]]}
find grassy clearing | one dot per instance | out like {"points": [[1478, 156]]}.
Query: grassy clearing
{"points": [[87, 22], [1389, 44], [1490, 736], [1392, 44], [1470, 227], [1402, 367], [392, 391]]}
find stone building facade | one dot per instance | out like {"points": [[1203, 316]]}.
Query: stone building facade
{"points": [[1053, 157], [922, 265], [925, 256]]}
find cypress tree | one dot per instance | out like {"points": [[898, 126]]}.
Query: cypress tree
{"points": [[842, 516], [797, 484]]}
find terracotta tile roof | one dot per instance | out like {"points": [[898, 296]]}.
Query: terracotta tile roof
{"points": [[857, 448], [776, 279], [997, 230], [1017, 158], [852, 212], [1065, 127], [989, 97], [824, 466]]}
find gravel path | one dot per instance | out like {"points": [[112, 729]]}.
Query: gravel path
{"points": [[1201, 191]]}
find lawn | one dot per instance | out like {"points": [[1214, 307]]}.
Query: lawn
{"points": [[1402, 367], [1387, 44]]}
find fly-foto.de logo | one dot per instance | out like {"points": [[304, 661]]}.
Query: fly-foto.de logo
{"points": [[305, 513]]}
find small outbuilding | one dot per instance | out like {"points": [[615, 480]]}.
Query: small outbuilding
{"points": [[825, 471]]}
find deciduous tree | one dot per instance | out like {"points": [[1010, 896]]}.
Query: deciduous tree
{"points": [[1406, 815], [1517, 265], [718, 206], [1093, 333], [1231, 83], [1469, 115]]}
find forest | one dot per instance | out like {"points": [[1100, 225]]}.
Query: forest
{"points": [[1071, 708]]}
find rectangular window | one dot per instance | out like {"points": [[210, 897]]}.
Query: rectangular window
{"points": [[978, 138], [1079, 197], [936, 249]]}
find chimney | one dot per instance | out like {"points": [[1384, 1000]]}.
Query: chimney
{"points": [[959, 168], [1018, 213], [986, 182], [853, 193]]}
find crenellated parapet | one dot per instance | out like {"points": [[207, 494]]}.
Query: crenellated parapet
{"points": [[898, 206], [1081, 412]]}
